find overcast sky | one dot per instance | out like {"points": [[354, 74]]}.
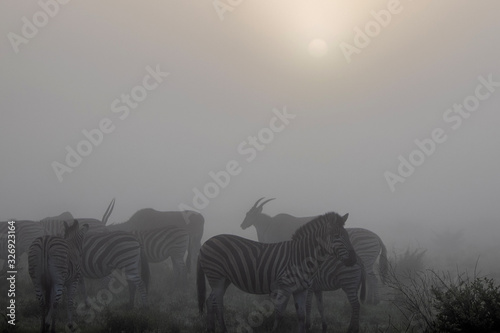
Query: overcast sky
{"points": [[330, 127]]}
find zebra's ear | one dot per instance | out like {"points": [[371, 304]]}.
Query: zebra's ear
{"points": [[66, 226], [344, 218]]}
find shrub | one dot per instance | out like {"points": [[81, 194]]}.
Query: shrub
{"points": [[467, 306]]}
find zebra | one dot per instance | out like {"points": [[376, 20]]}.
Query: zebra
{"points": [[54, 263], [368, 247], [104, 252], [332, 275], [161, 243], [27, 231], [278, 269], [149, 218], [366, 243]]}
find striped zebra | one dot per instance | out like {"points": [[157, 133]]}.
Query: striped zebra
{"points": [[368, 247], [333, 275], [54, 263], [278, 269], [148, 218], [104, 252], [366, 243], [163, 243]]}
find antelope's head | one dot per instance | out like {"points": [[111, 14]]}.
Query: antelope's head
{"points": [[254, 214]]}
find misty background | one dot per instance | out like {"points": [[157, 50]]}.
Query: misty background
{"points": [[352, 120]]}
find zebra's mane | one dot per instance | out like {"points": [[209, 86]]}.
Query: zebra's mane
{"points": [[315, 224]]}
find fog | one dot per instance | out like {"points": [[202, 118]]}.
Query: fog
{"points": [[243, 94]]}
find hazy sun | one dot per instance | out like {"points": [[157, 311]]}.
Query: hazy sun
{"points": [[318, 48]]}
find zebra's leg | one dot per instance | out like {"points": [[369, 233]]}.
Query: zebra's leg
{"points": [[42, 302], [321, 309], [135, 283], [45, 312], [280, 299], [300, 308], [83, 291], [308, 308], [211, 312], [180, 271], [55, 297], [372, 282], [131, 291], [352, 296], [52, 317], [219, 292], [72, 287]]}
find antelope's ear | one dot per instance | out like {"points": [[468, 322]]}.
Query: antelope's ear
{"points": [[344, 218]]}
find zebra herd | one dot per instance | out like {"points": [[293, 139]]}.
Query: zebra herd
{"points": [[298, 257]]}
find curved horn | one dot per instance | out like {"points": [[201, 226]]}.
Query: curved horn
{"points": [[108, 211], [255, 205], [262, 204]]}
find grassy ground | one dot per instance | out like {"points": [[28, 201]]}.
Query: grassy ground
{"points": [[178, 312]]}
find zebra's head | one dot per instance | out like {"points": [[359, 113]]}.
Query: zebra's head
{"points": [[337, 240], [75, 232], [254, 215]]}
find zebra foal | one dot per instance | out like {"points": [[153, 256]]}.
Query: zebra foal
{"points": [[54, 263], [333, 275], [279, 269]]}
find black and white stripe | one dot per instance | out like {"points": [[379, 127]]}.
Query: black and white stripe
{"points": [[146, 219], [279, 228], [163, 243], [278, 269], [333, 275], [54, 263], [368, 247], [105, 252]]}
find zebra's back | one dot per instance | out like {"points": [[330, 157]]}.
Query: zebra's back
{"points": [[103, 252], [366, 243], [160, 243]]}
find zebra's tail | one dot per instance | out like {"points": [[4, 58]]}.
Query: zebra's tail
{"points": [[362, 295], [383, 264], [201, 286], [145, 273]]}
